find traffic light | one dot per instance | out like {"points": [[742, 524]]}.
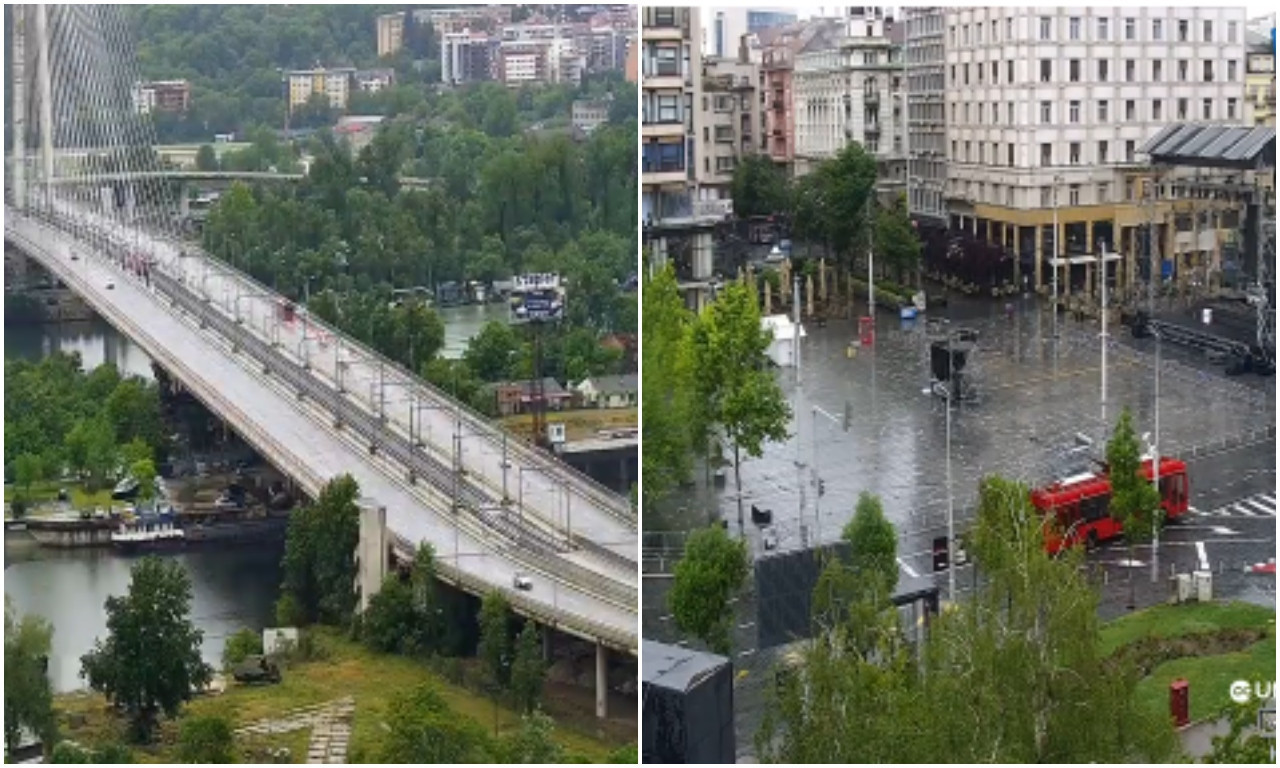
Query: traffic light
{"points": [[940, 554]]}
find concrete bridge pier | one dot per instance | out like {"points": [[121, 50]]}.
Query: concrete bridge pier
{"points": [[602, 681], [371, 552]]}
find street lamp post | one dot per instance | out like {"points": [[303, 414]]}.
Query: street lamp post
{"points": [[817, 481], [951, 509], [1053, 261]]}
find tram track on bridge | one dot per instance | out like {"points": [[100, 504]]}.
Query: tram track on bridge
{"points": [[516, 544]]}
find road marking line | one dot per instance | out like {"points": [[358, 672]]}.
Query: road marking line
{"points": [[1268, 499], [910, 571], [1257, 505], [1202, 555], [1241, 509]]}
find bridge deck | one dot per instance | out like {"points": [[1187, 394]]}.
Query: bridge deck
{"points": [[298, 436]]}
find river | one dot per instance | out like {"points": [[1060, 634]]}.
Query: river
{"points": [[231, 588]]}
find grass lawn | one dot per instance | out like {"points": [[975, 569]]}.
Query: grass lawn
{"points": [[1209, 678], [80, 498], [581, 424], [348, 669], [1186, 619]]}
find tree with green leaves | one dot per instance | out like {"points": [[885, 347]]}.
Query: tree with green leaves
{"points": [[733, 390], [841, 198], [1242, 744], [319, 562], [529, 670], [533, 742], [493, 353], [206, 739], [144, 471], [495, 640], [71, 753], [150, 661], [711, 572], [388, 624], [1134, 501], [667, 438], [759, 188], [873, 544], [206, 159], [239, 646], [28, 696], [27, 471], [422, 729], [897, 244]]}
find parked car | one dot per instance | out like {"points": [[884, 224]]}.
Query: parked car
{"points": [[522, 582]]}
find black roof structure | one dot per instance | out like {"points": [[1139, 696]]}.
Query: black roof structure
{"points": [[681, 669], [1214, 146]]}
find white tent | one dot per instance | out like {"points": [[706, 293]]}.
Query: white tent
{"points": [[782, 350]]}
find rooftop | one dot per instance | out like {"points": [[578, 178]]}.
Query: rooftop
{"points": [[670, 666]]}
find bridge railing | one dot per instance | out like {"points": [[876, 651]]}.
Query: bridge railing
{"points": [[617, 505]]}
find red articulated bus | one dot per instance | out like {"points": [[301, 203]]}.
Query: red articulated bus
{"points": [[1078, 507]]}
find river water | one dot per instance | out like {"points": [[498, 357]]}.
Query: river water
{"points": [[231, 587]]}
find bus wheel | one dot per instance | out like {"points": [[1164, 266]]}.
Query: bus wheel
{"points": [[1092, 543]]}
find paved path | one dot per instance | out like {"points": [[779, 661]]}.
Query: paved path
{"points": [[329, 723]]}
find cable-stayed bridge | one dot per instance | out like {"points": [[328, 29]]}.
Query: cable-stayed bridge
{"points": [[313, 402]]}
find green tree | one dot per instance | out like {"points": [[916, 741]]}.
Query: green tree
{"points": [[239, 646], [625, 755], [150, 662], [732, 387], [495, 640], [319, 562], [710, 573], [389, 623], [534, 742], [206, 159], [528, 671], [1241, 744], [144, 472], [873, 544], [136, 450], [27, 470], [897, 244], [1134, 501], [206, 739], [492, 352], [759, 188], [422, 729], [134, 410], [69, 752], [836, 204], [28, 697]]}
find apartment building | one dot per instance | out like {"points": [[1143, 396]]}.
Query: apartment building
{"points": [[468, 57], [726, 26], [677, 229], [586, 115], [390, 33], [335, 84], [852, 92], [162, 96], [925, 63], [1260, 79], [729, 116], [1047, 109], [778, 47]]}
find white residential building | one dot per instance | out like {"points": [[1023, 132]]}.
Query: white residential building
{"points": [[925, 63], [1050, 105]]}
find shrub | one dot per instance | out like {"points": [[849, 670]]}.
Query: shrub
{"points": [[206, 740], [240, 646]]}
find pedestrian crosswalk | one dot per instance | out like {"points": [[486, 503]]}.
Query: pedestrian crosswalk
{"points": [[1257, 505]]}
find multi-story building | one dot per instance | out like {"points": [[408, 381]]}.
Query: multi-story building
{"points": [[851, 93], [474, 18], [162, 96], [586, 115], [725, 27], [523, 63], [677, 229], [729, 114], [632, 69], [778, 47], [390, 29], [1260, 79], [1047, 109], [374, 80], [335, 84], [925, 64], [467, 57]]}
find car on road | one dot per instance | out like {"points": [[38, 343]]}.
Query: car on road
{"points": [[111, 284], [522, 582]]}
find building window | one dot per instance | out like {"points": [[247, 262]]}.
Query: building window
{"points": [[1046, 197], [1157, 70], [1157, 110], [954, 153], [1008, 28], [1046, 154], [666, 61], [981, 112], [1074, 111], [1046, 112], [1073, 194], [1130, 70], [1157, 29], [1104, 70], [1073, 70], [1009, 152], [966, 112], [966, 74], [1207, 109], [1008, 73], [1130, 28], [1102, 153], [1184, 30], [1232, 30], [1208, 70], [1073, 24], [1104, 111], [1182, 70], [967, 151], [1046, 28], [1231, 71], [964, 34], [1073, 152], [953, 34], [1130, 150], [977, 33], [1046, 70], [1104, 192], [1009, 111], [669, 108], [1231, 108], [1103, 28], [1130, 110], [1182, 109], [953, 73], [995, 73], [1208, 31]]}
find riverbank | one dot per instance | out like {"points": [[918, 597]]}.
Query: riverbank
{"points": [[342, 668]]}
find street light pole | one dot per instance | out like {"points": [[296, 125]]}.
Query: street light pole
{"points": [[951, 510], [1102, 263], [1053, 261], [1155, 474]]}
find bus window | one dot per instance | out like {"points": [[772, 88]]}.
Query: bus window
{"points": [[1094, 508]]}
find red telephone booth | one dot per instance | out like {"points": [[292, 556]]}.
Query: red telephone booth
{"points": [[867, 331], [1180, 702]]}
